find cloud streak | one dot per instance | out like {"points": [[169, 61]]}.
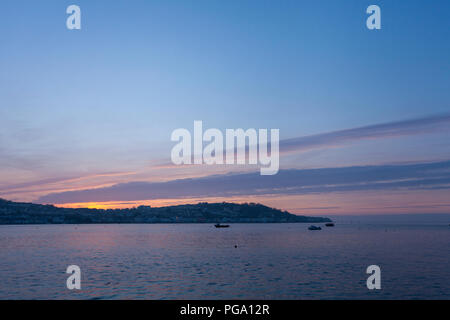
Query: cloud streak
{"points": [[424, 176], [333, 139], [384, 130]]}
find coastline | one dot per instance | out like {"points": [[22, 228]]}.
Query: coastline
{"points": [[14, 213]]}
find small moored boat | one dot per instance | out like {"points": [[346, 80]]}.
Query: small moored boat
{"points": [[221, 225], [330, 224], [314, 228]]}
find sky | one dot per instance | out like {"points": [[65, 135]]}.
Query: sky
{"points": [[364, 115]]}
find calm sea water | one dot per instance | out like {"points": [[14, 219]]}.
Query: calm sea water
{"points": [[197, 261]]}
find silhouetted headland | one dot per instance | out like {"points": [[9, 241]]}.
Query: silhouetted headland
{"points": [[29, 213]]}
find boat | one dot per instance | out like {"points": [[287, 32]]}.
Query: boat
{"points": [[314, 228], [221, 225], [330, 224]]}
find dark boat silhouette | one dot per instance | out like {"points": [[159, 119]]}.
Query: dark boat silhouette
{"points": [[314, 228], [221, 225], [330, 224]]}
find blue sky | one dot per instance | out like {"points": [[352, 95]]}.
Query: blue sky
{"points": [[105, 99]]}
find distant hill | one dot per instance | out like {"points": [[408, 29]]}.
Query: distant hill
{"points": [[28, 213]]}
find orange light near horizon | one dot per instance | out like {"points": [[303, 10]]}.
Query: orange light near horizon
{"points": [[154, 203], [133, 204], [311, 205]]}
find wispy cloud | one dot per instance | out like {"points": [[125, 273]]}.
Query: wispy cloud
{"points": [[60, 183], [286, 182], [378, 131], [339, 138], [38, 183]]}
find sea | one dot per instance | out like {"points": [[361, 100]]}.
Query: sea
{"points": [[244, 261]]}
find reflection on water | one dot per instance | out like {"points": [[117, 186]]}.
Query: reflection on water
{"points": [[197, 261]]}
